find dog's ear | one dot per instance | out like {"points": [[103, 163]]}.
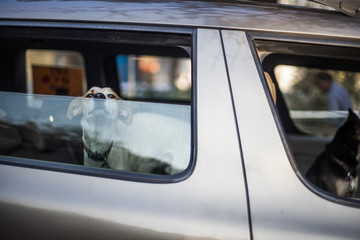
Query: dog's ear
{"points": [[353, 123], [125, 112], [75, 108], [353, 117], [352, 113]]}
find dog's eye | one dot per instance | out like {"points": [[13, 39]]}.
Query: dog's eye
{"points": [[90, 95], [111, 96]]}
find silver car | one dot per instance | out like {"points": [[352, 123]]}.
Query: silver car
{"points": [[221, 117]]}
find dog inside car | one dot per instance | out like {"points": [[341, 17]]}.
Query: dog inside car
{"points": [[334, 170], [101, 112]]}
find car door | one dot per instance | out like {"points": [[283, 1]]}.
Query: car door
{"points": [[57, 199], [283, 204]]}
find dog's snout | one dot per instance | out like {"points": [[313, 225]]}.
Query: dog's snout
{"points": [[99, 95]]}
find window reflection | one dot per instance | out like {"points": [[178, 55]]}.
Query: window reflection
{"points": [[312, 109], [158, 134]]}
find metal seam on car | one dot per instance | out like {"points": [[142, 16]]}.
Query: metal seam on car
{"points": [[239, 139]]}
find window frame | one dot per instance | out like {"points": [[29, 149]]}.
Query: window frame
{"points": [[108, 34]]}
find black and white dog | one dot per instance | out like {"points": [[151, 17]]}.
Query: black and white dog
{"points": [[101, 113], [334, 170]]}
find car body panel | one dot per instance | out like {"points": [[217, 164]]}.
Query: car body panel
{"points": [[241, 182], [205, 205], [290, 207], [229, 15]]}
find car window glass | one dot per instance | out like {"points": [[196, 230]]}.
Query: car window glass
{"points": [[103, 100]]}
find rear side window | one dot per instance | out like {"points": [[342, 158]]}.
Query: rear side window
{"points": [[113, 106], [314, 89]]}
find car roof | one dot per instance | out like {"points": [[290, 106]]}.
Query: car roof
{"points": [[185, 13]]}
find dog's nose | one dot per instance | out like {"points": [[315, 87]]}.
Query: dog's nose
{"points": [[99, 95]]}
